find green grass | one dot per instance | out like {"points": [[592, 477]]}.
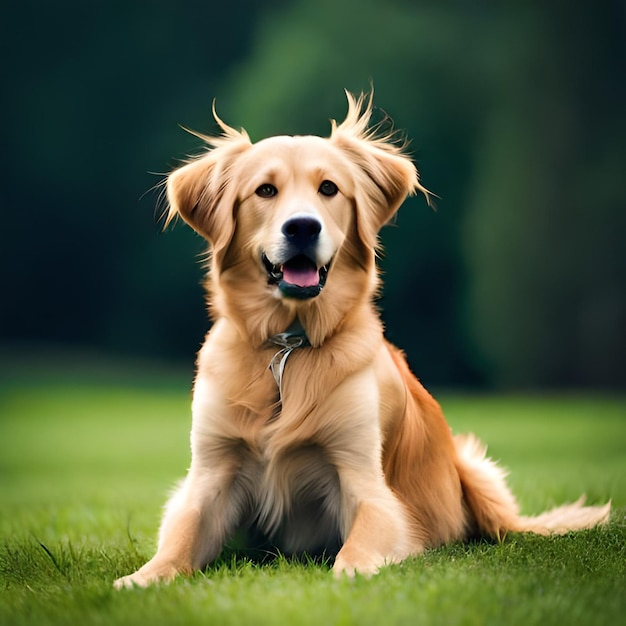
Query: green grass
{"points": [[85, 468]]}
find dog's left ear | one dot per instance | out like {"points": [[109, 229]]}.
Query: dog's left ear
{"points": [[386, 175]]}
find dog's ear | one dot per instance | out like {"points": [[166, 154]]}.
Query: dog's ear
{"points": [[386, 175], [201, 193]]}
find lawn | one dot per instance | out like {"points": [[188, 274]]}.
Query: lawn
{"points": [[87, 457]]}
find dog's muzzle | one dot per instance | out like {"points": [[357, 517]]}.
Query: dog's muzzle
{"points": [[298, 276]]}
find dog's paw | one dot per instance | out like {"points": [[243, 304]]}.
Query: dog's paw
{"points": [[128, 582], [363, 564], [150, 574], [140, 579]]}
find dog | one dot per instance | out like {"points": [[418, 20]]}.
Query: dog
{"points": [[308, 428]]}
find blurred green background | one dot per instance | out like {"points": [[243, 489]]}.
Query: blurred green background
{"points": [[517, 119]]}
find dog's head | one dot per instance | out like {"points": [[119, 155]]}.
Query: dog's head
{"points": [[287, 214]]}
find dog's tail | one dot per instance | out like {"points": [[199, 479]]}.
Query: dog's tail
{"points": [[493, 508]]}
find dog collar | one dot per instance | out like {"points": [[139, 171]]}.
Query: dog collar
{"points": [[294, 337]]}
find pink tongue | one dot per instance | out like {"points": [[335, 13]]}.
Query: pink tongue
{"points": [[301, 276]]}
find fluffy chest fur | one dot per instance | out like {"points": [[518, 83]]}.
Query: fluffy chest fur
{"points": [[284, 455]]}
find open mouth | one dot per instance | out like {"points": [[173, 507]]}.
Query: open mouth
{"points": [[299, 277]]}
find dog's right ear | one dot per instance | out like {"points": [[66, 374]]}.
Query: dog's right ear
{"points": [[201, 191]]}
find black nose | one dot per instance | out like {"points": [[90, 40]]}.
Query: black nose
{"points": [[302, 231]]}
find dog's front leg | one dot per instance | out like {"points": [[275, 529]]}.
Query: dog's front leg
{"points": [[374, 522], [377, 536], [207, 506], [197, 520]]}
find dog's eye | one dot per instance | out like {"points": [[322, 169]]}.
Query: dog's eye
{"points": [[266, 190], [328, 188]]}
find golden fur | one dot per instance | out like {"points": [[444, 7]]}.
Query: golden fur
{"points": [[354, 454]]}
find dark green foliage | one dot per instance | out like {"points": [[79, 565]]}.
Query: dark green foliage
{"points": [[515, 113]]}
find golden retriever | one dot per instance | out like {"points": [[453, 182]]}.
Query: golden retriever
{"points": [[308, 426]]}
